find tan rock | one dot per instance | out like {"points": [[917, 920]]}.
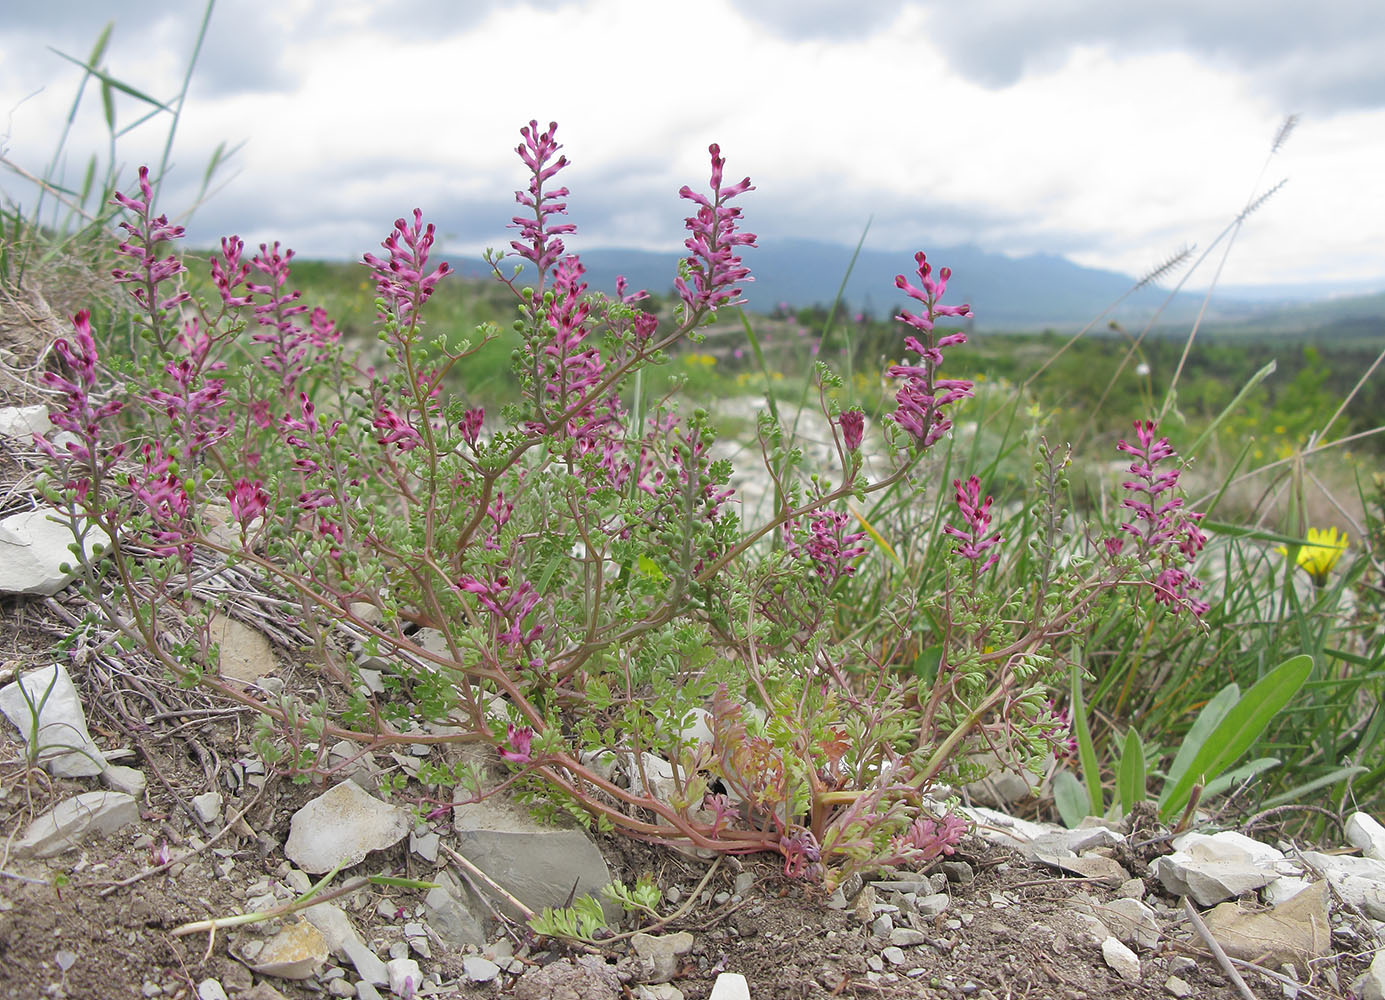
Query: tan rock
{"points": [[1292, 932]]}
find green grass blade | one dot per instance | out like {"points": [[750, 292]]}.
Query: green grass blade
{"points": [[1246, 390], [1086, 752], [111, 81]]}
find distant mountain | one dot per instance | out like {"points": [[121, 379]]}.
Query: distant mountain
{"points": [[1005, 293]]}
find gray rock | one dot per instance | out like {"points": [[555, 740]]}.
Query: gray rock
{"points": [[1364, 832], [907, 937], [33, 547], [129, 780], [450, 917], [660, 953], [1129, 920], [342, 826], [1371, 984], [74, 820], [1121, 960], [478, 969], [63, 747], [535, 862], [1177, 987], [959, 872], [1208, 882], [882, 926], [343, 941], [207, 806], [932, 904], [425, 845], [365, 991], [893, 954], [1293, 932]]}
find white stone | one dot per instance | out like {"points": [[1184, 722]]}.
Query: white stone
{"points": [[405, 976], [1178, 987], [661, 953], [1121, 960], [1283, 889], [1371, 984], [478, 969], [1009, 831], [343, 941], [1361, 881], [1131, 921], [64, 747], [1208, 882], [207, 806], [72, 821], [129, 780], [23, 422], [33, 547], [341, 826], [1227, 846], [730, 986], [210, 989], [296, 952], [1364, 832]]}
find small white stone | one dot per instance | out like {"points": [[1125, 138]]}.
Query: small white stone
{"points": [[730, 986], [210, 989], [1178, 987], [1121, 959], [1364, 832], [207, 806], [404, 975], [478, 969]]}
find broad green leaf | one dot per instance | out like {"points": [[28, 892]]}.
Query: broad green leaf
{"points": [[1070, 798], [1130, 780], [1207, 720], [1235, 734], [1086, 752]]}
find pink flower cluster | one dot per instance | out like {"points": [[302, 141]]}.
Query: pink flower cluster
{"points": [[81, 415], [829, 546], [714, 266], [973, 540], [404, 280], [142, 244], [920, 400], [1162, 528], [928, 838], [542, 244]]}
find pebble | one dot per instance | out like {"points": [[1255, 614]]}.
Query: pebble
{"points": [[882, 926], [893, 955], [479, 970]]}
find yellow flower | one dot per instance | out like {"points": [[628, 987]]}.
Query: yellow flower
{"points": [[1320, 553]]}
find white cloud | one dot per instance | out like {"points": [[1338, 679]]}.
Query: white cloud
{"points": [[1031, 135]]}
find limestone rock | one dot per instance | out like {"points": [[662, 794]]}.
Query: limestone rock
{"points": [[1364, 832], [246, 654], [74, 820], [1129, 920], [33, 547], [1371, 984], [23, 422], [343, 825], [1292, 932], [478, 969], [129, 780], [1229, 847], [660, 953], [1121, 960], [64, 747], [405, 976], [1361, 881], [730, 986], [537, 863], [343, 941], [296, 952], [450, 917], [1208, 882]]}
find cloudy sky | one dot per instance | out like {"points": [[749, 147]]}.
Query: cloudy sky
{"points": [[1111, 133]]}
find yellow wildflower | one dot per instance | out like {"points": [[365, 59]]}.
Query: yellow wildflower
{"points": [[1320, 553]]}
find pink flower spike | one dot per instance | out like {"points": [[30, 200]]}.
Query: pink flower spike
{"points": [[520, 739], [853, 425]]}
